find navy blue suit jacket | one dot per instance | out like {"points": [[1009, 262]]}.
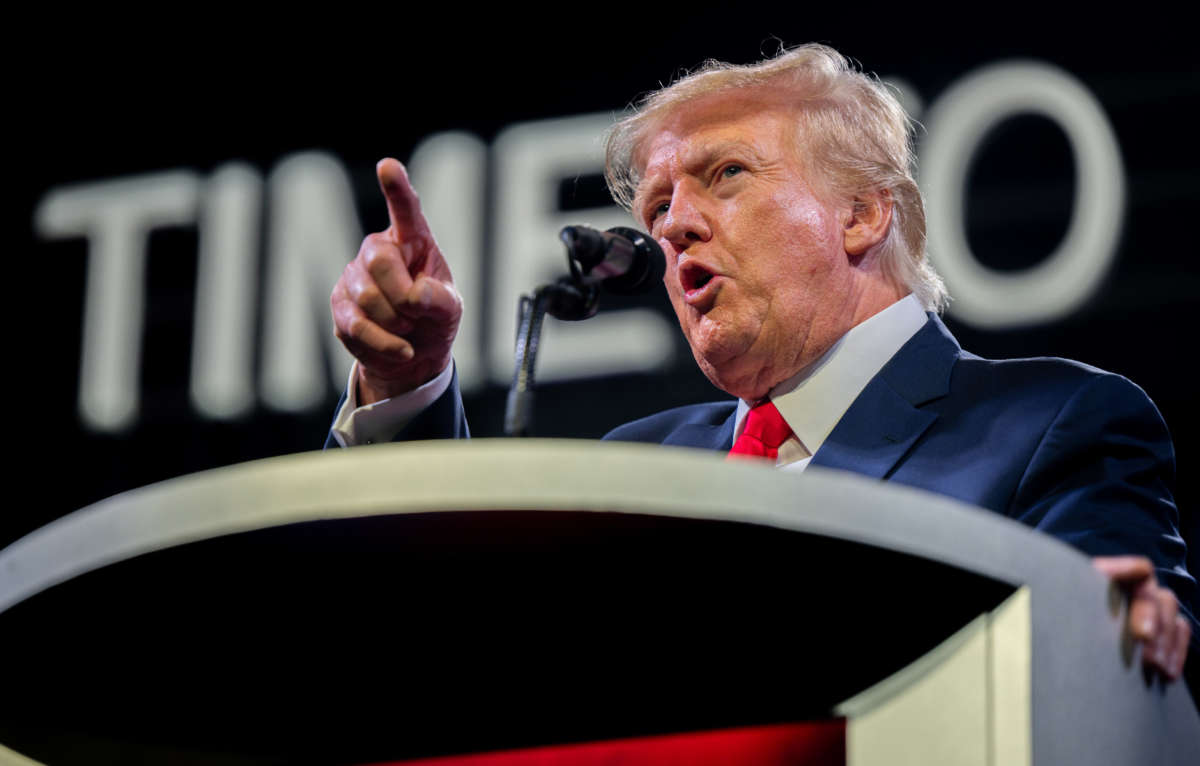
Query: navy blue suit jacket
{"points": [[1076, 452]]}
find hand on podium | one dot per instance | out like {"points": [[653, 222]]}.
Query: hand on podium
{"points": [[395, 307], [1154, 618]]}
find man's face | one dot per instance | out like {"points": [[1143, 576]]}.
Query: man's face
{"points": [[756, 266]]}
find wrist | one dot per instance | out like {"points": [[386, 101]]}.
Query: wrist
{"points": [[374, 388]]}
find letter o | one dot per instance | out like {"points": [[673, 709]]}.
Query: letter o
{"points": [[957, 123]]}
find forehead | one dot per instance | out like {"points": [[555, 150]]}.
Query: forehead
{"points": [[757, 118]]}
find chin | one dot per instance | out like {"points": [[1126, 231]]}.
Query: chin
{"points": [[734, 379], [729, 363]]}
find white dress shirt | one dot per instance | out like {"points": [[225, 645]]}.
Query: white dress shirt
{"points": [[812, 401], [380, 421]]}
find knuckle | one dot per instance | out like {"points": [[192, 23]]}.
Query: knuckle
{"points": [[369, 254], [367, 295], [373, 241], [356, 327], [375, 248], [342, 309], [379, 264]]}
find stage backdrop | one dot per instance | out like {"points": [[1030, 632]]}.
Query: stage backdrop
{"points": [[186, 201]]}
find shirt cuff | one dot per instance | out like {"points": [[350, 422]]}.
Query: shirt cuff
{"points": [[381, 421]]}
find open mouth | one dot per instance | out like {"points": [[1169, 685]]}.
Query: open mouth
{"points": [[694, 277]]}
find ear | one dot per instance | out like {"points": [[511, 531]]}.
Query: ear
{"points": [[868, 222]]}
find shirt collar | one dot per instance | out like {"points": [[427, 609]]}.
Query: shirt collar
{"points": [[813, 400]]}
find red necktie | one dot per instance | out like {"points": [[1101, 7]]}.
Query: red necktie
{"points": [[765, 431]]}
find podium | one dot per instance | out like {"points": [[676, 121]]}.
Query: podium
{"points": [[438, 598]]}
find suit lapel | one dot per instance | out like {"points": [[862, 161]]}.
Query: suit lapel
{"points": [[886, 419], [704, 436]]}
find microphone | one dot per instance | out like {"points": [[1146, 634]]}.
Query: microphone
{"points": [[623, 261]]}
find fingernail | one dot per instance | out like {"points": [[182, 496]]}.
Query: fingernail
{"points": [[426, 295], [407, 352], [1148, 626]]}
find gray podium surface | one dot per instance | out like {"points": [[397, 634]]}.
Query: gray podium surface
{"points": [[1090, 700]]}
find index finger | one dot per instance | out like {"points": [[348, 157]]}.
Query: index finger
{"points": [[404, 208]]}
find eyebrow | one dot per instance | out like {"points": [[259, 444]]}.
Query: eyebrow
{"points": [[703, 158]]}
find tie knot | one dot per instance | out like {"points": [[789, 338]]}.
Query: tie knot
{"points": [[765, 430], [766, 424]]}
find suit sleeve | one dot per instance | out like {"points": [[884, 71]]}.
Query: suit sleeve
{"points": [[1102, 479], [444, 418]]}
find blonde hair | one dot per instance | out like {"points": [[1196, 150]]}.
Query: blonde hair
{"points": [[856, 140]]}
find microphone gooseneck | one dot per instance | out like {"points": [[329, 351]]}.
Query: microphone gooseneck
{"points": [[621, 261]]}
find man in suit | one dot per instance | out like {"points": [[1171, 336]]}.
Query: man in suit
{"points": [[794, 239]]}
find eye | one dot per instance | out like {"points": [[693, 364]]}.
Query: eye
{"points": [[660, 209], [729, 171]]}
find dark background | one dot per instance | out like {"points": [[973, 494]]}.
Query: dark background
{"points": [[98, 103]]}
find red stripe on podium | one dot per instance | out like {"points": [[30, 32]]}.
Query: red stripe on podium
{"points": [[816, 743]]}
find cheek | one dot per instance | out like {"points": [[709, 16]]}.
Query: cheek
{"points": [[803, 220], [671, 258], [808, 240], [670, 281], [673, 293]]}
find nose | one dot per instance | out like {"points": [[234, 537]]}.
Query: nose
{"points": [[685, 223]]}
